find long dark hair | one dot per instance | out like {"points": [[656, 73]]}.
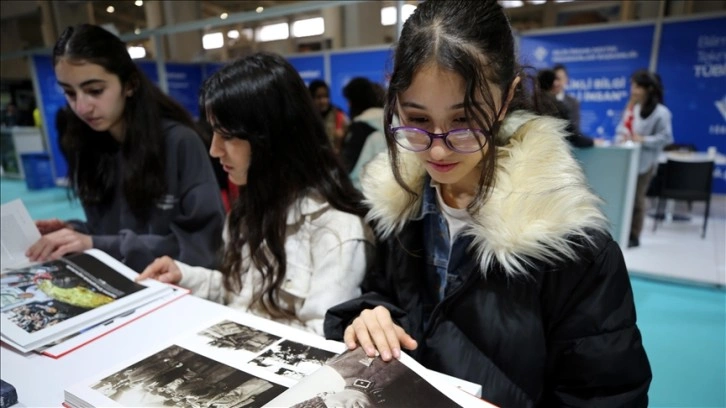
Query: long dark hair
{"points": [[361, 95], [90, 154], [654, 89], [262, 99], [473, 39]]}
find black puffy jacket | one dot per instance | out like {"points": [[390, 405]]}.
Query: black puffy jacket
{"points": [[544, 314]]}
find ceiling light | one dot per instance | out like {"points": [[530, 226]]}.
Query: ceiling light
{"points": [[233, 34], [511, 3], [212, 40], [223, 16], [139, 3], [110, 9], [260, 9], [137, 52], [137, 31]]}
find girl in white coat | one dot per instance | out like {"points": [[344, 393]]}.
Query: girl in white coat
{"points": [[295, 241]]}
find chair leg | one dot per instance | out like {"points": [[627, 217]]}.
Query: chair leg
{"points": [[705, 218], [659, 209]]}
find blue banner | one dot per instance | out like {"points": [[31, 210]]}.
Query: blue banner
{"points": [[210, 68], [692, 65], [51, 100], [149, 69], [374, 65], [309, 67], [183, 82], [599, 63]]}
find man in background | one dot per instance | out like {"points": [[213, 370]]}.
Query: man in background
{"points": [[572, 104]]}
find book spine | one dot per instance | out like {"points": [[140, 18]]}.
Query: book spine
{"points": [[8, 395]]}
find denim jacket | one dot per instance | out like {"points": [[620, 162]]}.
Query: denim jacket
{"points": [[443, 260]]}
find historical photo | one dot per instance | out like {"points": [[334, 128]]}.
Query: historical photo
{"points": [[232, 335], [292, 360], [176, 376]]}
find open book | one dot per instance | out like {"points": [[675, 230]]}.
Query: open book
{"points": [[232, 360], [44, 302], [241, 360]]}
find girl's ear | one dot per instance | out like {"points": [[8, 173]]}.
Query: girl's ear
{"points": [[131, 86], [510, 96]]}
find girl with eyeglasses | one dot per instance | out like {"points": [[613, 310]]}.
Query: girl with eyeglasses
{"points": [[295, 239], [494, 261]]}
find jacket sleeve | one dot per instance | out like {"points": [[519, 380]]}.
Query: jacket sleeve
{"points": [[595, 348], [338, 270], [662, 131], [377, 291], [203, 282], [195, 228]]}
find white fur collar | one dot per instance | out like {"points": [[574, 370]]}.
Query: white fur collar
{"points": [[541, 200]]}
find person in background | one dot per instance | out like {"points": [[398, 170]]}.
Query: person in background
{"points": [[559, 88], [334, 119], [134, 160], [650, 124], [296, 242], [494, 261], [365, 137], [10, 115], [546, 79]]}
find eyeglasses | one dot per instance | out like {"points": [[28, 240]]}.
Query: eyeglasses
{"points": [[458, 140]]}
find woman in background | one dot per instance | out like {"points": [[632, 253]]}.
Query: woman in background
{"points": [[134, 159], [365, 137], [649, 124], [296, 242], [494, 263], [334, 119]]}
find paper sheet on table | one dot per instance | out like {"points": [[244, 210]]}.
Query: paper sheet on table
{"points": [[17, 233]]}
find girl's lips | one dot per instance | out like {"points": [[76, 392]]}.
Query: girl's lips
{"points": [[226, 168], [442, 167]]}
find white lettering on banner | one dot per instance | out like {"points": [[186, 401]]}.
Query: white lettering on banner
{"points": [[708, 41], [604, 96], [176, 75], [710, 70], [310, 74], [599, 53], [711, 57], [717, 130]]}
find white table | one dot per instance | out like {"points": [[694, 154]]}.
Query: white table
{"points": [[40, 380]]}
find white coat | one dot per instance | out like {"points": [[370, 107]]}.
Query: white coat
{"points": [[328, 253]]}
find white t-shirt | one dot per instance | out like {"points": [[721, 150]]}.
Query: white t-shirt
{"points": [[456, 218]]}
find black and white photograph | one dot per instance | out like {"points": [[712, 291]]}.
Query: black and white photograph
{"points": [[292, 360], [353, 379], [231, 335], [176, 376]]}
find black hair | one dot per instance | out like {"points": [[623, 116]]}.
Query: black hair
{"points": [[546, 79], [473, 39], [90, 154], [316, 84], [262, 99], [559, 67], [654, 89], [361, 94]]}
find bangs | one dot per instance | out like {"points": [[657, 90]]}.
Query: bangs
{"points": [[229, 108]]}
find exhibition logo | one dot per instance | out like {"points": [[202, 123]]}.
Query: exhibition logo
{"points": [[540, 53], [721, 106]]}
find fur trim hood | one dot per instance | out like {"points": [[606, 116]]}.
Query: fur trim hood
{"points": [[540, 206]]}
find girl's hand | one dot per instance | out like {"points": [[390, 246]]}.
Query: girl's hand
{"points": [[52, 225], [54, 245], [374, 330], [163, 269]]}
